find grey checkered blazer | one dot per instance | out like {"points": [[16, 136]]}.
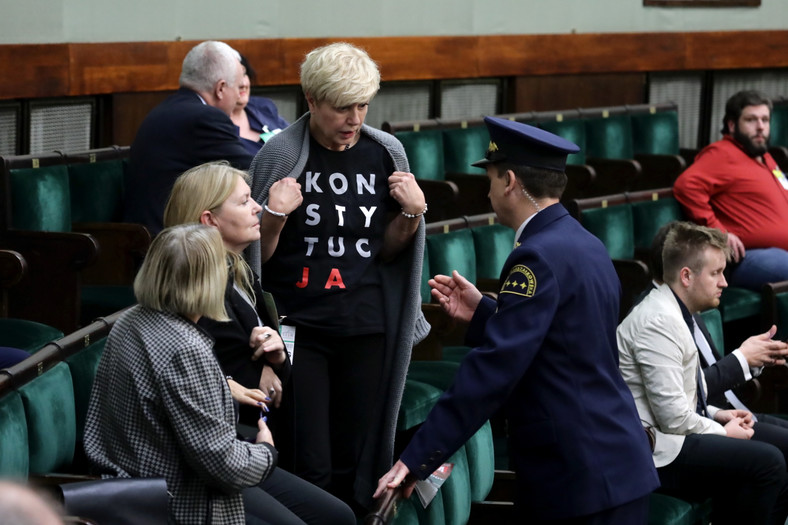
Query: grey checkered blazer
{"points": [[161, 406]]}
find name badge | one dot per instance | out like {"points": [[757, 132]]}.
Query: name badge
{"points": [[781, 177]]}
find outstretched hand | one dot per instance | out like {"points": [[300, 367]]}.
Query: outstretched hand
{"points": [[762, 350], [458, 297]]}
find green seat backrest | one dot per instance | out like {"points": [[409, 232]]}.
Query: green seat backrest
{"points": [[14, 452], [425, 153], [96, 191], [26, 335], [493, 244], [614, 227], [456, 491], [609, 138], [51, 424], [649, 216], [779, 126], [439, 374], [463, 146], [572, 130], [417, 400], [713, 320], [481, 462], [83, 366], [656, 133], [40, 199], [739, 303], [426, 296], [782, 316], [452, 251]]}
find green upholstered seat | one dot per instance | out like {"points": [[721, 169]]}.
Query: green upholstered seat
{"points": [[738, 303], [456, 491], [27, 335], [780, 315], [452, 251], [439, 374], [426, 296], [713, 320], [655, 133], [41, 199], [83, 366], [609, 138], [493, 244], [14, 453], [778, 135], [649, 216], [51, 424], [455, 353], [613, 225], [463, 146], [96, 191], [572, 130], [406, 512], [425, 153], [417, 400], [667, 510], [98, 301], [480, 452]]}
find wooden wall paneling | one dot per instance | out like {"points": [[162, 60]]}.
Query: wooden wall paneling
{"points": [[551, 92], [29, 71], [54, 70], [128, 112]]}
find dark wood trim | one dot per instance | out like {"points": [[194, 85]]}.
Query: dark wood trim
{"points": [[702, 3], [53, 70]]}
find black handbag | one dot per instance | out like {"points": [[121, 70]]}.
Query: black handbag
{"points": [[118, 501]]}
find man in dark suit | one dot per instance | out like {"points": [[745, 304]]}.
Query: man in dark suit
{"points": [[545, 351], [189, 128]]}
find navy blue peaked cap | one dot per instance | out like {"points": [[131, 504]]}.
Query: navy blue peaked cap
{"points": [[525, 145]]}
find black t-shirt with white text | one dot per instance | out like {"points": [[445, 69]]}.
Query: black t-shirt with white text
{"points": [[324, 272]]}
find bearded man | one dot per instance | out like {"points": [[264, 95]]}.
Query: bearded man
{"points": [[734, 185]]}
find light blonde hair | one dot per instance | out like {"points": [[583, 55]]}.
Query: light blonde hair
{"points": [[184, 273], [206, 188], [340, 74]]}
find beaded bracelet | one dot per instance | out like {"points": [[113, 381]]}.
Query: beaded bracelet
{"points": [[414, 215], [274, 213]]}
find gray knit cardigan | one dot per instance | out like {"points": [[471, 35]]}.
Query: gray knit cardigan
{"points": [[285, 155]]}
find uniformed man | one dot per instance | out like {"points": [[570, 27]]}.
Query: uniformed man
{"points": [[546, 352]]}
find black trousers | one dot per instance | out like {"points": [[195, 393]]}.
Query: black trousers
{"points": [[772, 430], [285, 499], [746, 480], [335, 382]]}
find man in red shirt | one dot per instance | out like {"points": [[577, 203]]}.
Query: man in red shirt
{"points": [[736, 186]]}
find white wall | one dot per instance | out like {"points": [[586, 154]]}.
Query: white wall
{"points": [[57, 21]]}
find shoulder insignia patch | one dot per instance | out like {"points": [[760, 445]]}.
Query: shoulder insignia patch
{"points": [[520, 281]]}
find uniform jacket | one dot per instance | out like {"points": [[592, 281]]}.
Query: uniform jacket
{"points": [[180, 133], [161, 406], [546, 351], [659, 362]]}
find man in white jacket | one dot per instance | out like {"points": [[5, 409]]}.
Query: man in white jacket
{"points": [[699, 451]]}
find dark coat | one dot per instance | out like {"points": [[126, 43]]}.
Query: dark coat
{"points": [[180, 133], [547, 353]]}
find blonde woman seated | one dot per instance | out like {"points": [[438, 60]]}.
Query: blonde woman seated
{"points": [[161, 406], [248, 346]]}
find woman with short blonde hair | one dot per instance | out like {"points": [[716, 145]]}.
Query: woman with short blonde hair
{"points": [[160, 405], [341, 252]]}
